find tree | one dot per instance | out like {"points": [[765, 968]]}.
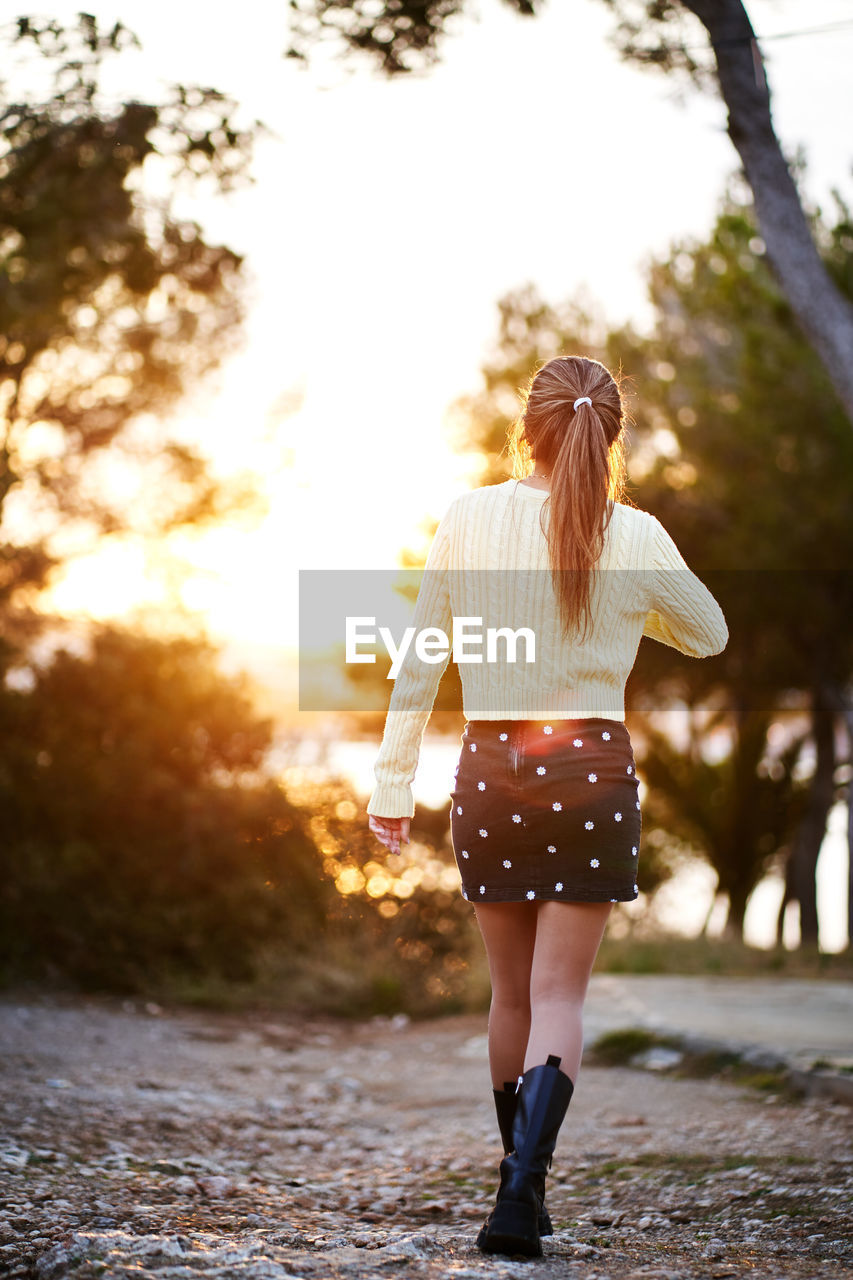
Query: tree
{"points": [[110, 306], [737, 812], [644, 35], [758, 425], [147, 846], [401, 35], [141, 838]]}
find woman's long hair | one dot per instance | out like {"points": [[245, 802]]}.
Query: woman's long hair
{"points": [[583, 450]]}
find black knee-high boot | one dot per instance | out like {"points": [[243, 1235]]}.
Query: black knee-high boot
{"points": [[506, 1105], [542, 1102]]}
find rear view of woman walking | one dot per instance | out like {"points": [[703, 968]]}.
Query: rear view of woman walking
{"points": [[545, 812]]}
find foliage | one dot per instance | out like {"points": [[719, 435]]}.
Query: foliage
{"points": [[662, 952], [400, 36], [754, 480], [616, 1048], [403, 917], [663, 35], [111, 307], [139, 835], [730, 375], [145, 847]]}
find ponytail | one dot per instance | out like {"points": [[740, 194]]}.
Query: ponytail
{"points": [[572, 420]]}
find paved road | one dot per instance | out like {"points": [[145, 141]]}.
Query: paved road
{"points": [[800, 1019]]}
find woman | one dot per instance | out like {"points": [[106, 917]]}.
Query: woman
{"points": [[545, 815]]}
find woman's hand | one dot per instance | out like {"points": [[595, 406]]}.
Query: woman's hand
{"points": [[391, 831]]}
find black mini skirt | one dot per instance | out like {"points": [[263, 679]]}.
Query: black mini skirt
{"points": [[546, 810]]}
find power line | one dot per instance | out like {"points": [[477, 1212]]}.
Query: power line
{"points": [[810, 31], [845, 25]]}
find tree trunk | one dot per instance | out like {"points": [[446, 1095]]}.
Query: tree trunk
{"points": [[738, 898], [847, 712], [850, 839], [812, 830], [788, 896], [822, 311], [850, 842], [842, 700]]}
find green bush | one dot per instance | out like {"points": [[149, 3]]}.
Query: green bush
{"points": [[146, 849]]}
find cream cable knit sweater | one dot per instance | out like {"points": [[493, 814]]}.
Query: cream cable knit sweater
{"points": [[489, 559]]}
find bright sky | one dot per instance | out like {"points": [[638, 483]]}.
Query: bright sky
{"points": [[385, 222]]}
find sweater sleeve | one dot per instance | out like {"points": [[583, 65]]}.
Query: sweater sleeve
{"points": [[682, 612], [415, 687]]}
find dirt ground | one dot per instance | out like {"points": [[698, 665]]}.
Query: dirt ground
{"points": [[143, 1142]]}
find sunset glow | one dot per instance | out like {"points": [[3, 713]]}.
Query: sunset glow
{"points": [[355, 346]]}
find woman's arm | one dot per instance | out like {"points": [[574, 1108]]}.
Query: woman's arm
{"points": [[682, 612], [414, 689]]}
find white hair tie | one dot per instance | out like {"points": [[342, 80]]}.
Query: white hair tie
{"points": [[583, 400]]}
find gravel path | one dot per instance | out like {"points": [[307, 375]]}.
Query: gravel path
{"points": [[139, 1142]]}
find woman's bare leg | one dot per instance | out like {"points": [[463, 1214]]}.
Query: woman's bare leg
{"points": [[509, 932], [568, 935]]}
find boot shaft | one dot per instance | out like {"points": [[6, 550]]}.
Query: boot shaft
{"points": [[506, 1105], [543, 1099]]}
